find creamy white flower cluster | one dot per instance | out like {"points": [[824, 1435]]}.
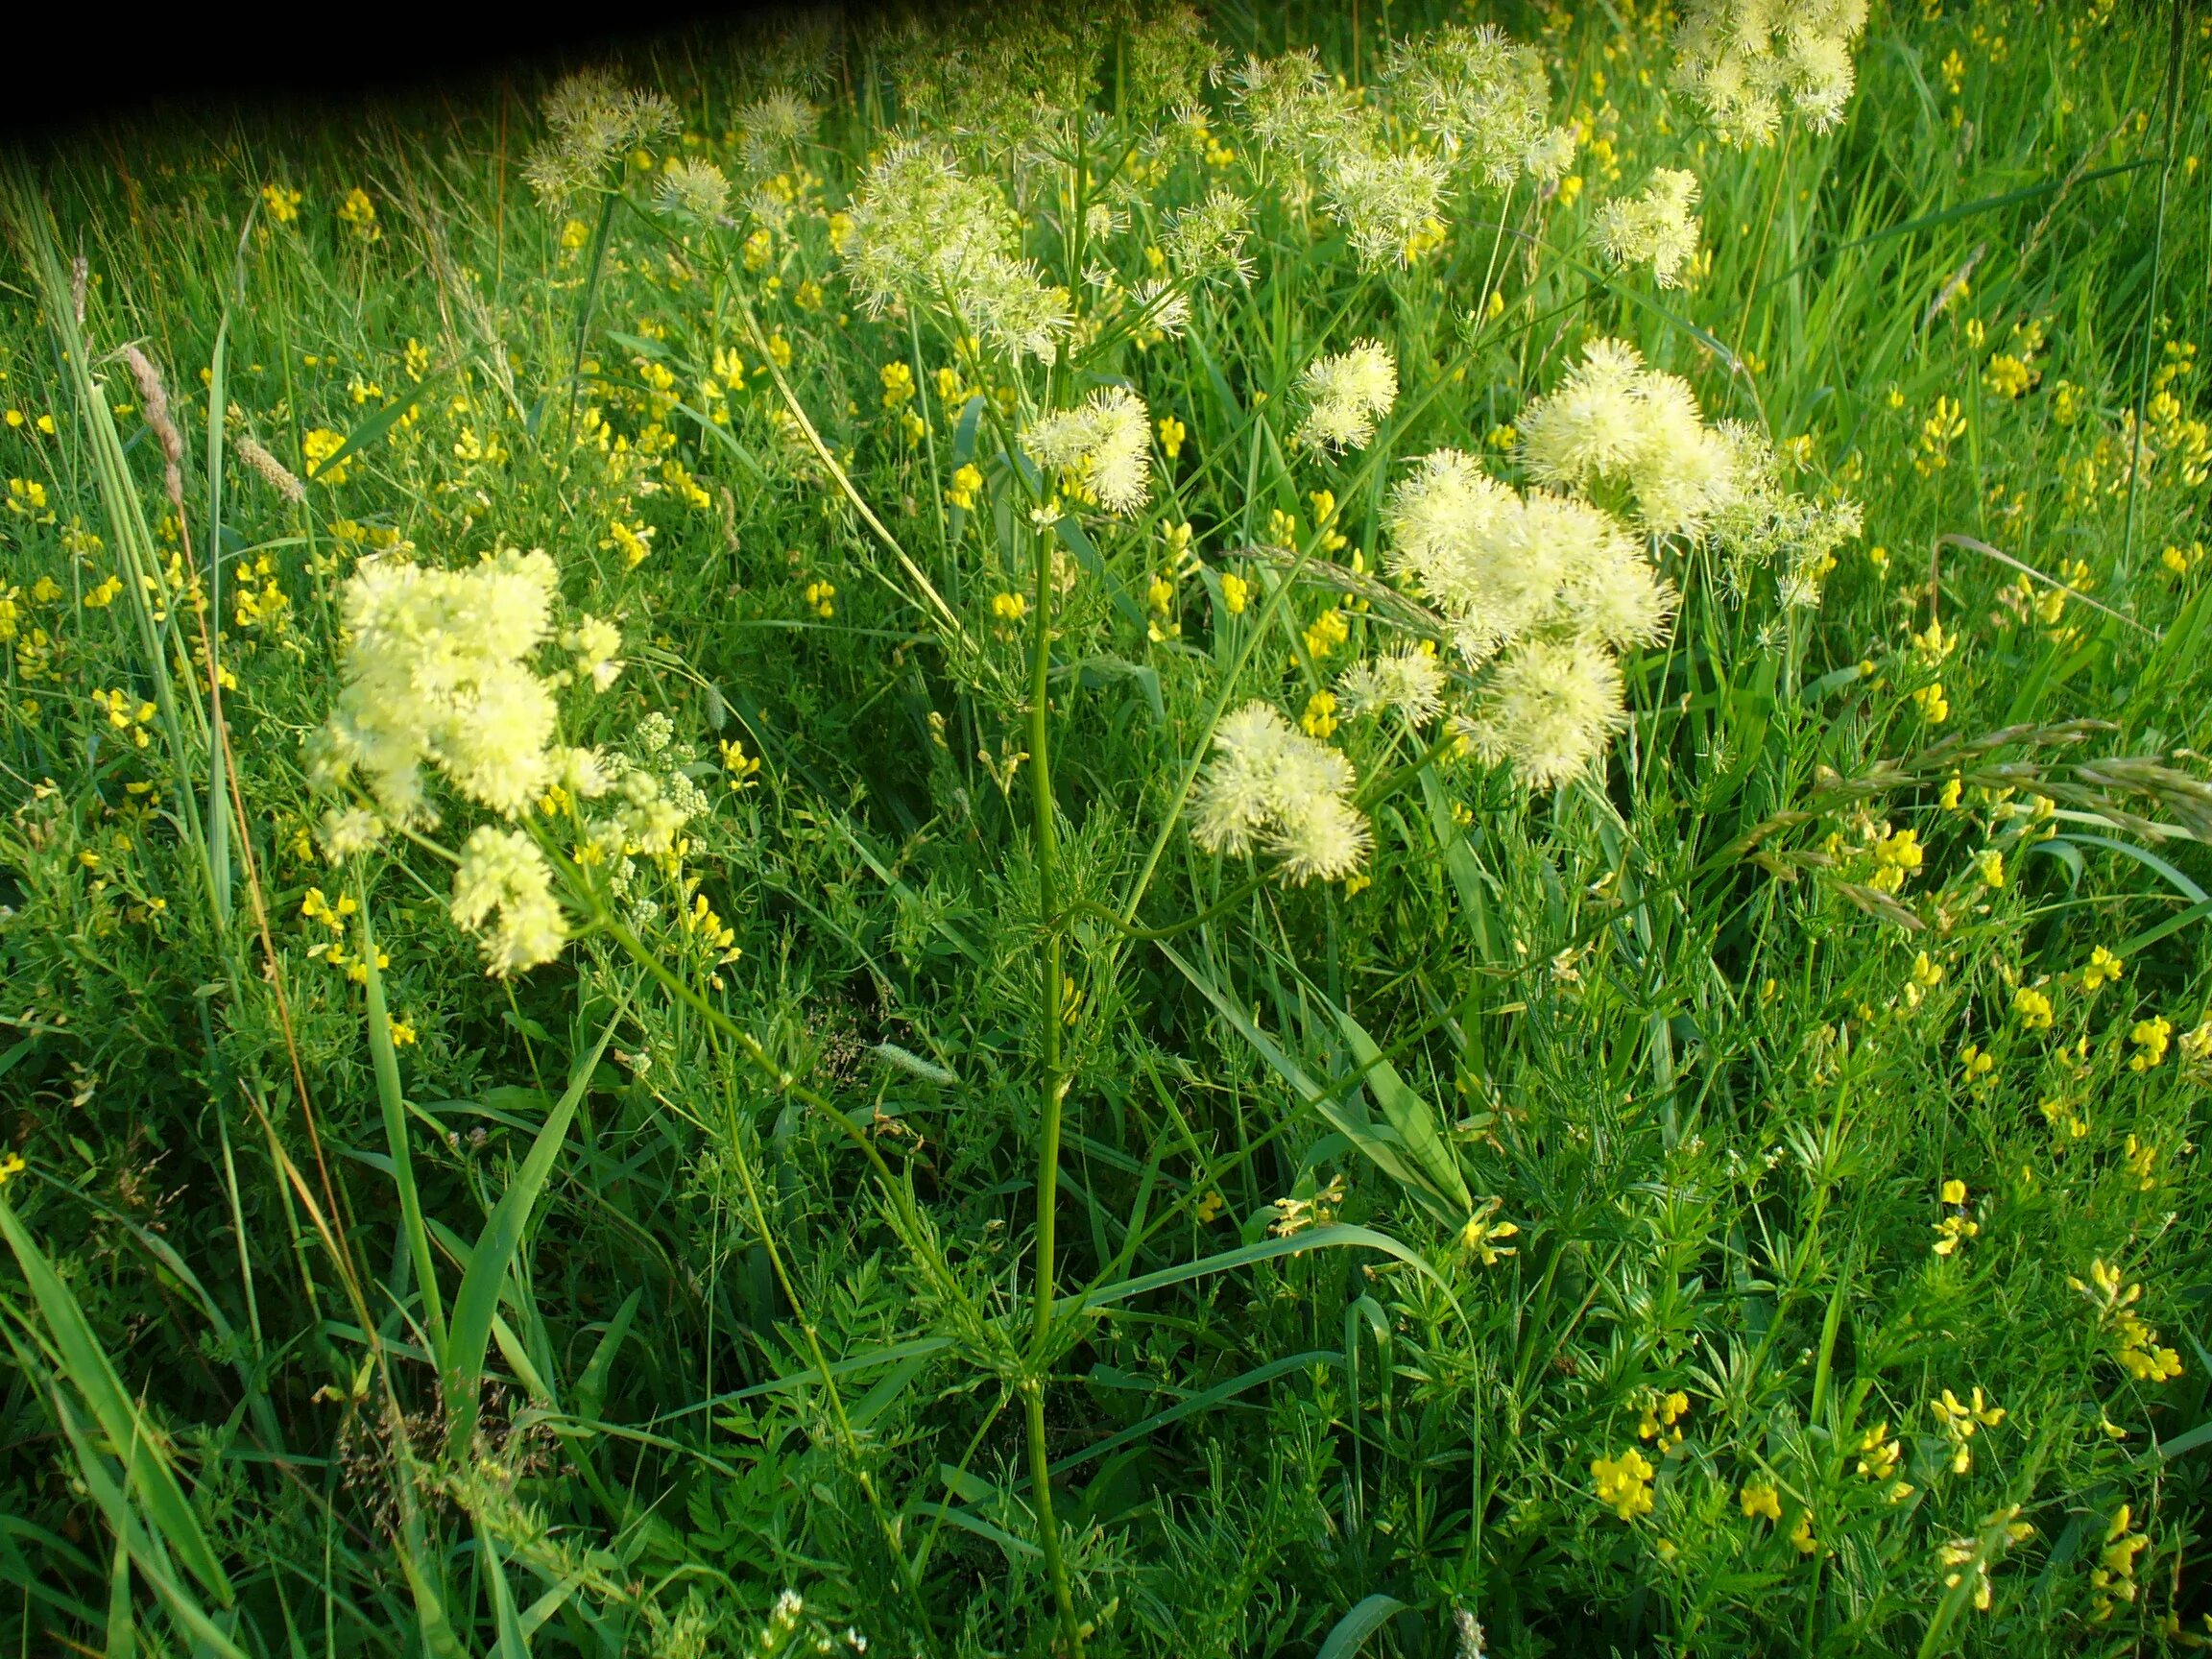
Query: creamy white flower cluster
{"points": [[438, 675], [1346, 394], [1765, 525], [1102, 447], [1485, 99], [1544, 587], [1408, 680], [1654, 227], [503, 894], [1270, 786], [926, 233], [1617, 429], [591, 120], [1547, 585], [1480, 102], [1750, 60]]}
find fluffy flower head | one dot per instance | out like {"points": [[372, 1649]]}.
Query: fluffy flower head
{"points": [[1613, 421], [1482, 97], [1656, 226], [1346, 394], [1548, 710], [1104, 446], [503, 894], [1410, 680], [1750, 60], [923, 231], [435, 673], [1271, 784]]}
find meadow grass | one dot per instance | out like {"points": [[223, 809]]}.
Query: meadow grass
{"points": [[1739, 1197]]}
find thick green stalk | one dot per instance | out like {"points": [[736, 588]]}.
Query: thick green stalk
{"points": [[1052, 1083]]}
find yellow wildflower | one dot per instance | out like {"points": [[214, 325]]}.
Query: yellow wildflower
{"points": [[2105, 968], [1624, 1483], [1957, 1225], [2150, 1037], [358, 211]]}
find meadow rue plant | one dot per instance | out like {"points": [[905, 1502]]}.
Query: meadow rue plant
{"points": [[1614, 423], [1346, 394], [592, 122], [1485, 99], [1751, 61], [1271, 787], [1101, 450], [503, 893], [925, 232], [1191, 894], [437, 675], [1654, 227]]}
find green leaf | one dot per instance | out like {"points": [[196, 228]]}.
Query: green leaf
{"points": [[477, 1301], [1337, 1234], [513, 1644], [2137, 942], [1380, 1143], [1348, 1633], [591, 1387], [1073, 537], [2149, 861], [1407, 1111], [982, 1529], [1095, 671], [371, 430]]}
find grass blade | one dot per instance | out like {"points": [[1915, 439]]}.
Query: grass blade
{"points": [[477, 1301], [92, 1375]]}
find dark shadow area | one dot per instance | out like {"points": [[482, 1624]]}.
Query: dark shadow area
{"points": [[308, 63]]}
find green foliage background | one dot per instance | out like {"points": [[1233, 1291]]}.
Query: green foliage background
{"points": [[1712, 1067]]}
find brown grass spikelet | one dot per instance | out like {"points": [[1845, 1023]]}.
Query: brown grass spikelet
{"points": [[153, 395], [272, 471]]}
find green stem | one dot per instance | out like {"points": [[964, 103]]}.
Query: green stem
{"points": [[1047, 1529], [597, 262], [384, 1060], [1049, 992], [2150, 299], [1053, 1084]]}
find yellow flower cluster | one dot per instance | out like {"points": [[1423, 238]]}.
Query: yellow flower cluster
{"points": [[317, 906], [1957, 1224], [2113, 1578], [1897, 854], [2152, 1039], [1759, 1498], [1960, 1421], [1624, 1483], [2134, 1343], [1661, 1419]]}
